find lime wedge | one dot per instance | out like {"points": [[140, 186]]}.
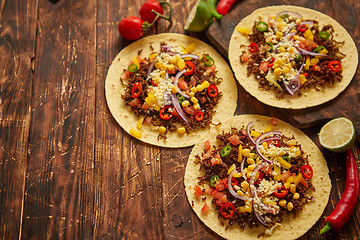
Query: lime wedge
{"points": [[200, 17], [338, 135]]}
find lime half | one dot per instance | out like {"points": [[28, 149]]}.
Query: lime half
{"points": [[338, 135], [200, 17]]}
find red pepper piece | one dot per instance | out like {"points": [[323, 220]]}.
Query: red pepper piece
{"points": [[302, 27], [335, 65], [199, 116], [307, 171], [227, 210], [190, 66], [281, 192], [348, 201], [164, 114], [224, 6], [271, 62], [213, 91], [253, 47], [136, 90]]}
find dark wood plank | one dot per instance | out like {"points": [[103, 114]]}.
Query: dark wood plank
{"points": [[17, 40], [219, 34], [59, 192], [128, 190]]}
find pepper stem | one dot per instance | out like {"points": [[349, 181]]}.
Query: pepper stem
{"points": [[146, 25], [327, 228]]}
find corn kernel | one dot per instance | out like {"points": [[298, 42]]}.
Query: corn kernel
{"points": [[279, 62], [248, 175], [296, 196], [279, 35], [135, 133], [194, 100], [196, 106], [298, 21], [288, 65], [268, 39], [239, 153], [185, 103], [237, 174], [291, 50], [290, 206], [275, 66], [181, 130], [191, 47], [241, 193], [250, 161], [245, 152], [174, 89], [243, 30], [265, 145], [282, 49], [251, 167], [252, 155], [191, 94], [244, 184], [293, 188], [162, 129], [205, 84], [173, 59], [139, 123], [277, 72], [282, 202], [181, 64], [286, 70], [193, 90], [170, 67], [296, 38], [199, 88]]}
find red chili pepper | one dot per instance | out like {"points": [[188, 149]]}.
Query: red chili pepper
{"points": [[305, 74], [190, 66], [234, 182], [227, 210], [307, 171], [316, 68], [253, 47], [335, 65], [136, 90], [348, 201], [302, 27], [199, 115], [224, 6], [164, 114], [281, 192], [271, 62], [213, 91]]}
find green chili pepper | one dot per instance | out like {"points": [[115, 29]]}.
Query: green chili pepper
{"points": [[181, 99], [225, 151], [286, 158], [324, 35], [284, 16], [132, 68], [209, 61], [212, 6], [319, 49], [213, 180], [298, 58], [271, 46], [262, 26]]}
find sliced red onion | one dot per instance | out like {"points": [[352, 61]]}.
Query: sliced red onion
{"points": [[231, 190], [178, 107], [189, 56], [260, 218], [248, 127], [288, 13], [257, 144], [303, 51], [242, 169], [166, 48], [151, 66], [295, 83], [176, 79], [167, 98]]}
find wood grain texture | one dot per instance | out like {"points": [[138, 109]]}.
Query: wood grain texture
{"points": [[17, 40], [345, 104], [59, 192]]}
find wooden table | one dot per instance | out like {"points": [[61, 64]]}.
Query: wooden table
{"points": [[67, 169]]}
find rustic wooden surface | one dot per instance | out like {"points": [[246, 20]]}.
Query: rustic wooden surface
{"points": [[67, 170]]}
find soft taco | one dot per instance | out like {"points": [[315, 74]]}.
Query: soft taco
{"points": [[292, 57], [257, 177], [168, 89]]}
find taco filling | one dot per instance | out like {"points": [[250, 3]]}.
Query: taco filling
{"points": [[172, 89], [254, 178], [288, 53]]}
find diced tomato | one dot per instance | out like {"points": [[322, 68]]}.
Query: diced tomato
{"points": [[244, 57], [210, 69], [207, 154], [274, 142], [135, 102], [303, 182], [215, 161], [307, 45], [234, 139], [209, 190], [145, 106], [207, 145], [198, 191], [223, 199], [183, 84], [205, 208], [147, 121], [189, 110], [125, 75], [285, 175], [219, 185], [264, 67]]}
